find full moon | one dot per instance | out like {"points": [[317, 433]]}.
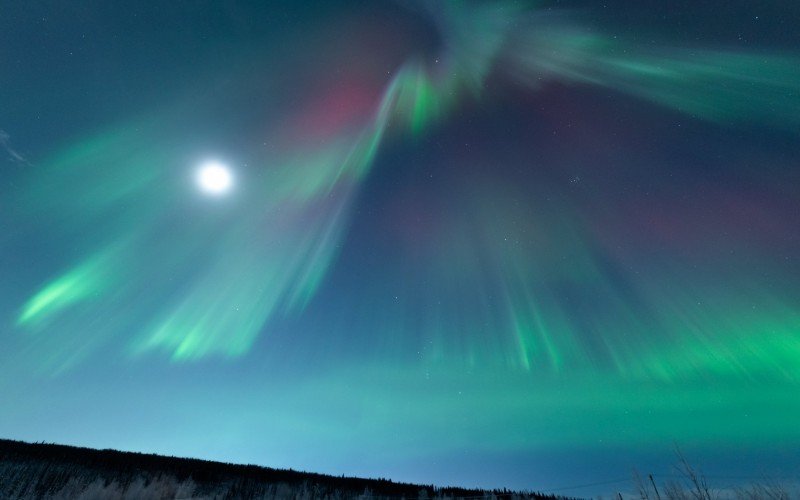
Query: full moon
{"points": [[214, 178]]}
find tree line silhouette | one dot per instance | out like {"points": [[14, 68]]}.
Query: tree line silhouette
{"points": [[51, 471]]}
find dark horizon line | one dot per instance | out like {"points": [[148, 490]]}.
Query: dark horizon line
{"points": [[110, 462]]}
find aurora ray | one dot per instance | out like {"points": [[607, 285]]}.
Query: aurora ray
{"points": [[473, 204]]}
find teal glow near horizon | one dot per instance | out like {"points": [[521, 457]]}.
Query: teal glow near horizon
{"points": [[441, 228]]}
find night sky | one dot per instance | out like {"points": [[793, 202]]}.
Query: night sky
{"points": [[505, 244]]}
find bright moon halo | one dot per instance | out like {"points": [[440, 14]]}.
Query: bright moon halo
{"points": [[214, 178]]}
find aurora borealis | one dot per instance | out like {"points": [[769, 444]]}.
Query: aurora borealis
{"points": [[523, 244]]}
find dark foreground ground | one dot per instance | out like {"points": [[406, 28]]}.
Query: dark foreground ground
{"points": [[50, 471]]}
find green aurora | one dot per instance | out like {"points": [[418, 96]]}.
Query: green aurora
{"points": [[507, 307]]}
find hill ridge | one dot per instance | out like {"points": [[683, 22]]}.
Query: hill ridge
{"points": [[50, 471]]}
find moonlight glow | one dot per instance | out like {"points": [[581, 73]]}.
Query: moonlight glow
{"points": [[214, 178], [489, 242]]}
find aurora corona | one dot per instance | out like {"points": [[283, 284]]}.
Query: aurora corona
{"points": [[510, 228]]}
